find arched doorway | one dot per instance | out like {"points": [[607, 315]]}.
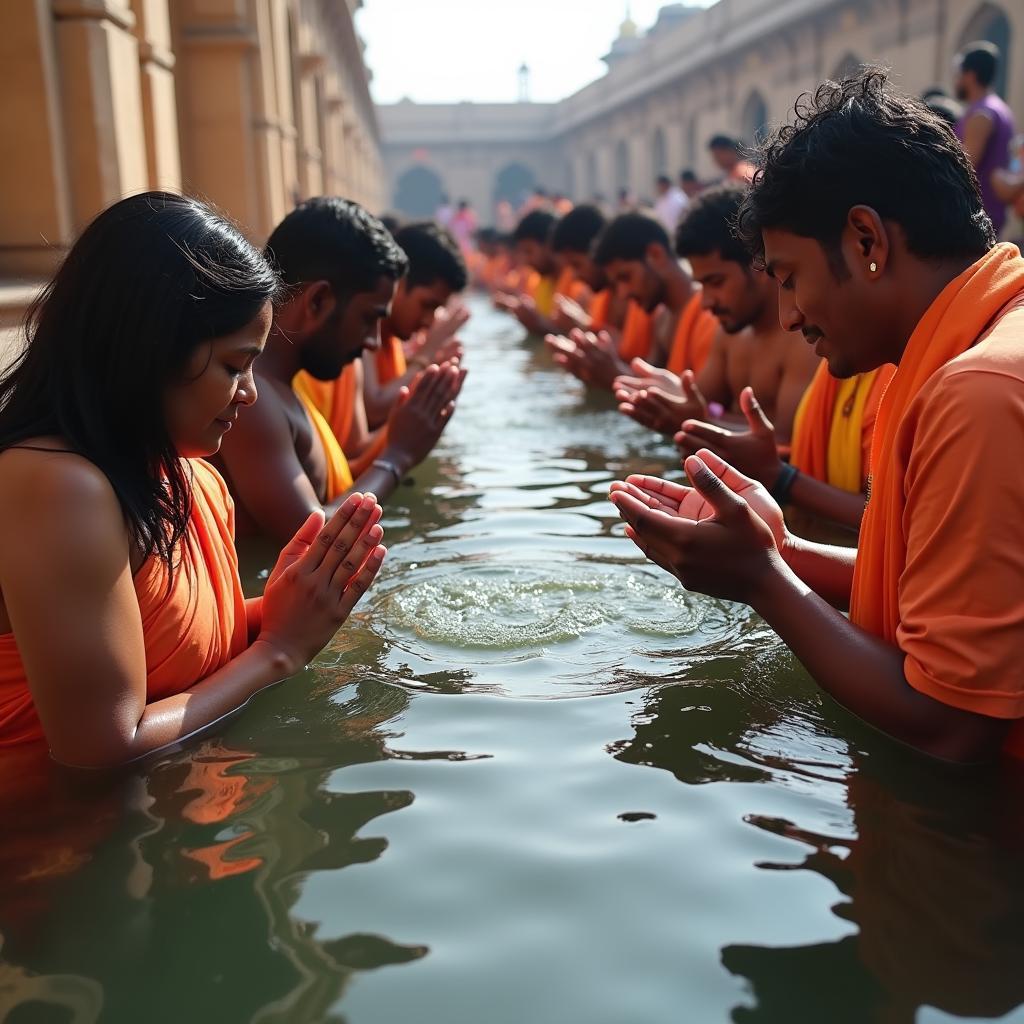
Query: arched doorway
{"points": [[847, 67], [659, 154], [991, 24], [418, 192], [514, 183], [754, 119]]}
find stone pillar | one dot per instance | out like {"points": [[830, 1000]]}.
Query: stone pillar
{"points": [[35, 199], [159, 104], [216, 47], [102, 100], [308, 122]]}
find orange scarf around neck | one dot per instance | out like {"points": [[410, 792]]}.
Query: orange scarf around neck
{"points": [[950, 326], [829, 426], [637, 333], [695, 331]]}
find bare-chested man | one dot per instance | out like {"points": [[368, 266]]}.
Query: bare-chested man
{"points": [[283, 461], [752, 350]]}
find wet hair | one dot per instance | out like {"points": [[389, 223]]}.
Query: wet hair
{"points": [[627, 238], [151, 279], [860, 142], [433, 256], [982, 58], [708, 223], [336, 240], [536, 226], [576, 231], [724, 142]]}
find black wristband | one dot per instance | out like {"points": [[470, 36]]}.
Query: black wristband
{"points": [[784, 483]]}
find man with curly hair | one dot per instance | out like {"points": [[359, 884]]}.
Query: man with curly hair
{"points": [[868, 214]]}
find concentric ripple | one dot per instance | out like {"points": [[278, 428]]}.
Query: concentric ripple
{"points": [[540, 627]]}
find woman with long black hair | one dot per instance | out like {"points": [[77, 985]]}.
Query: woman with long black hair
{"points": [[122, 622]]}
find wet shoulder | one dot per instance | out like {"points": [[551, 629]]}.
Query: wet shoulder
{"points": [[43, 473]]}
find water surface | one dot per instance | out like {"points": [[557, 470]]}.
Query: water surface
{"points": [[532, 781]]}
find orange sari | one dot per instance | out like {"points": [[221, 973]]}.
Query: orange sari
{"points": [[193, 623]]}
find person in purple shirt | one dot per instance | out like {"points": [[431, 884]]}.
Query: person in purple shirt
{"points": [[986, 126]]}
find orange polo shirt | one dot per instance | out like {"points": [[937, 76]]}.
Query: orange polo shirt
{"points": [[961, 591]]}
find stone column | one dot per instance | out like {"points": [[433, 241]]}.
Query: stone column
{"points": [[216, 47], [159, 104], [102, 100], [308, 123], [35, 197]]}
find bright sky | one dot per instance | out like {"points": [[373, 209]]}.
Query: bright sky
{"points": [[443, 51]]}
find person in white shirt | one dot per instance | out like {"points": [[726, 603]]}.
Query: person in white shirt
{"points": [[670, 203]]}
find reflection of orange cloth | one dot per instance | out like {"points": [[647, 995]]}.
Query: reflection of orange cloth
{"points": [[339, 475], [695, 331], [637, 333], [222, 791], [600, 310], [940, 568], [193, 624], [390, 359], [834, 425]]}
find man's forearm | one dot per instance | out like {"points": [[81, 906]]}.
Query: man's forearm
{"points": [[865, 675], [827, 502], [825, 568]]}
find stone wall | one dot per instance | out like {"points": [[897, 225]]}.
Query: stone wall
{"points": [[729, 68], [252, 104]]}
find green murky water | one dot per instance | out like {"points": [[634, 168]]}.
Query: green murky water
{"points": [[531, 782]]}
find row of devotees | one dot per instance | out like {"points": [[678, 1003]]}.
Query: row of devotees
{"points": [[842, 336]]}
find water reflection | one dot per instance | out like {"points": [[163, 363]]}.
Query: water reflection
{"points": [[428, 796], [222, 834], [924, 861]]}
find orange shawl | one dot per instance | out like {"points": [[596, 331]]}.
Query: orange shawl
{"points": [[695, 331], [335, 400], [637, 333], [542, 291], [569, 285], [828, 432], [951, 325], [390, 359], [600, 309], [191, 628]]}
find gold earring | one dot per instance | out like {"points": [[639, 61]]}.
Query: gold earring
{"points": [[873, 267]]}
